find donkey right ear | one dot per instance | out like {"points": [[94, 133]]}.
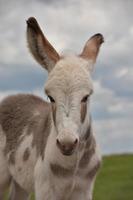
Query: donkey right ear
{"points": [[39, 46]]}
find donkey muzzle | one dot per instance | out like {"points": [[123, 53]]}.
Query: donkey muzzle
{"points": [[67, 145]]}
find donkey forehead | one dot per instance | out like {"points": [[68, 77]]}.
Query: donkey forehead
{"points": [[70, 73]]}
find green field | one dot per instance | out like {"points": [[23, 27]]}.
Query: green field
{"points": [[115, 179]]}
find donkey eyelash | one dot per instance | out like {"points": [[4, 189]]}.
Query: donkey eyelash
{"points": [[51, 99], [85, 98]]}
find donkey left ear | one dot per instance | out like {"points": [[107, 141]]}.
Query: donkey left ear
{"points": [[92, 47], [39, 46]]}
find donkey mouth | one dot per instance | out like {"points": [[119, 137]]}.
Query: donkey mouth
{"points": [[67, 153]]}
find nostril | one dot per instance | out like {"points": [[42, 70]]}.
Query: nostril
{"points": [[60, 145], [57, 141], [67, 148], [75, 142]]}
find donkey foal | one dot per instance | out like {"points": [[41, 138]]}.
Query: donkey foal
{"points": [[46, 147]]}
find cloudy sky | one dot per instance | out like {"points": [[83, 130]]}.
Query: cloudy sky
{"points": [[67, 25]]}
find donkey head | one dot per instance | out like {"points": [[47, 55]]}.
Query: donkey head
{"points": [[68, 87]]}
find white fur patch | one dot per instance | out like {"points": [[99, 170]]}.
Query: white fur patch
{"points": [[42, 181], [23, 171]]}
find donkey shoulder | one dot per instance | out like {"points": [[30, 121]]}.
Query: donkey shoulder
{"points": [[20, 112]]}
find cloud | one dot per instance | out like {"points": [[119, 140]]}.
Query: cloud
{"points": [[105, 103], [114, 135], [23, 79]]}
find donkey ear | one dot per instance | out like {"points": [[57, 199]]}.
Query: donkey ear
{"points": [[39, 46], [92, 47]]}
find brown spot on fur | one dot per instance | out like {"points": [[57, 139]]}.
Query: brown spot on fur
{"points": [[60, 171], [87, 134], [19, 169], [26, 154], [93, 171], [54, 113], [85, 140], [83, 111], [86, 157], [89, 148]]}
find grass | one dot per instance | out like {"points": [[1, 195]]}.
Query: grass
{"points": [[115, 179]]}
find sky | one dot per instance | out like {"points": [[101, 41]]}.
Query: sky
{"points": [[68, 25]]}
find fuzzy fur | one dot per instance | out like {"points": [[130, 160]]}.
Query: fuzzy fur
{"points": [[30, 158]]}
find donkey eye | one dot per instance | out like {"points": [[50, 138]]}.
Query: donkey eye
{"points": [[85, 98], [51, 99]]}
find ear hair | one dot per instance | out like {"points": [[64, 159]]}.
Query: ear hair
{"points": [[39, 46], [92, 47]]}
